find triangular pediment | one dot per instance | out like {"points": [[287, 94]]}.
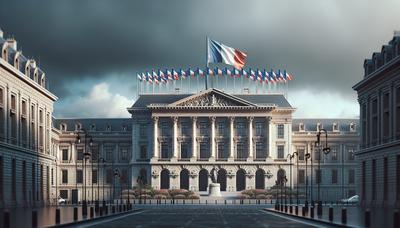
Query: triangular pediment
{"points": [[211, 98]]}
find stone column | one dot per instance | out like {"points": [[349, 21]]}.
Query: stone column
{"points": [[194, 136], [213, 137], [175, 137], [231, 146], [156, 153], [250, 155], [270, 152]]}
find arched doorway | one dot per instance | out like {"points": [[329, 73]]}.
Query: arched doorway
{"points": [[184, 179], [203, 180], [164, 179], [260, 179], [221, 179], [240, 180], [143, 176]]}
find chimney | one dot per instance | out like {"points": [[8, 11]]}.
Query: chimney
{"points": [[12, 43], [397, 33]]}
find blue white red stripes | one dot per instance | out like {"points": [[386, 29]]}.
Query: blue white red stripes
{"points": [[220, 53]]}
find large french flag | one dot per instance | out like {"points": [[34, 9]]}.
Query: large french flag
{"points": [[220, 53]]}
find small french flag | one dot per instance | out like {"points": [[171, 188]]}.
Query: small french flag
{"points": [[183, 74], [220, 53], [191, 72]]}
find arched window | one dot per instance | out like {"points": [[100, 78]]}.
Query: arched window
{"points": [[143, 176], [221, 179], [203, 180], [164, 180], [78, 126], [260, 179], [240, 180], [63, 127], [184, 179], [5, 54]]}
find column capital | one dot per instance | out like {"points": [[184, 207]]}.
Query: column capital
{"points": [[155, 118], [232, 118], [269, 118], [250, 118], [175, 119], [194, 118], [213, 118]]}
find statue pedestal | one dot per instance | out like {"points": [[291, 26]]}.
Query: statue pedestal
{"points": [[214, 190]]}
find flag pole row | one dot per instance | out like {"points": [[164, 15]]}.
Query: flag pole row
{"points": [[262, 76]]}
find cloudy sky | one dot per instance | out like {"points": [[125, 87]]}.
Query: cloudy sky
{"points": [[92, 50]]}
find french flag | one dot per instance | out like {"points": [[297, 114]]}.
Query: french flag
{"points": [[220, 53]]}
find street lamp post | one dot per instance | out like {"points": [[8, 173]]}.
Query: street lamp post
{"points": [[276, 201], [117, 174], [55, 161], [284, 182], [104, 168], [326, 151], [86, 156], [290, 156]]}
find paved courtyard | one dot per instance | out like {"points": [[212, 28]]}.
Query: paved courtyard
{"points": [[200, 216]]}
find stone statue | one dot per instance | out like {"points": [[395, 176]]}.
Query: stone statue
{"points": [[214, 175]]}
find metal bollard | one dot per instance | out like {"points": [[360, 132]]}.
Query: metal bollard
{"points": [[225, 201], [6, 219], [367, 218], [58, 216], [75, 214], [206, 201], [319, 209], [106, 210], [91, 212], [286, 208], [303, 211], [215, 201], [296, 210], [344, 215], [291, 209], [331, 214], [396, 218], [34, 219], [312, 212]]}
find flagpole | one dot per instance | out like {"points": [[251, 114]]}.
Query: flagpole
{"points": [[206, 73]]}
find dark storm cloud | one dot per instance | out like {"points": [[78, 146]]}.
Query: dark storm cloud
{"points": [[323, 43]]}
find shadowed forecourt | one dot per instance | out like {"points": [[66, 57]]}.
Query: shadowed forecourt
{"points": [[203, 216]]}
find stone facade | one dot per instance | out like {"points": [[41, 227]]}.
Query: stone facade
{"points": [[379, 156], [27, 159]]}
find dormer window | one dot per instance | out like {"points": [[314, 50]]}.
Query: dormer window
{"points": [[5, 56], [16, 63], [63, 127], [108, 127], [352, 127], [301, 127], [124, 128], [335, 127], [93, 127], [319, 126], [78, 127]]}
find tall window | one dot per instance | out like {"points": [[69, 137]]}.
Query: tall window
{"points": [[260, 150], [281, 151], [334, 153], [164, 150], [259, 128], [334, 176], [351, 176], [184, 150], [94, 177], [95, 154], [373, 188], [374, 122], [165, 129], [281, 131], [80, 154], [143, 151], [65, 155], [184, 129], [109, 154], [240, 128], [241, 151], [64, 176], [221, 150], [79, 176], [363, 180], [14, 179], [386, 117], [301, 176], [203, 128], [301, 152], [124, 154], [143, 131], [350, 153], [221, 128], [385, 178], [204, 150]]}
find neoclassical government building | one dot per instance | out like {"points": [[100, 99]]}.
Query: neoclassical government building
{"points": [[171, 141]]}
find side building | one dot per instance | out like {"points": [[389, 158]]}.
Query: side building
{"points": [[27, 157], [379, 155]]}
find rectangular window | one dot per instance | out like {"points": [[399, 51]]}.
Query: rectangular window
{"points": [[301, 154], [65, 155], [165, 129], [351, 176], [23, 107], [124, 154], [203, 128], [281, 131], [397, 112], [80, 155], [259, 128], [260, 150], [109, 176], [164, 150], [109, 154], [334, 176], [334, 153], [184, 150], [64, 194], [64, 176], [301, 176], [204, 150], [373, 182], [386, 117], [52, 176], [184, 129], [240, 129], [317, 176], [13, 102], [374, 122], [95, 154], [221, 128], [1, 97], [281, 151], [350, 153], [143, 131], [385, 178], [94, 176], [79, 176], [143, 151], [221, 150], [241, 151]]}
